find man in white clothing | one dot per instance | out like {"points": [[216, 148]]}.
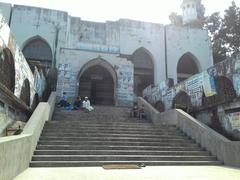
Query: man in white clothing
{"points": [[87, 105]]}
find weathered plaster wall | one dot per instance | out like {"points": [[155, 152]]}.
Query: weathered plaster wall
{"points": [[5, 10], [181, 40], [136, 34], [122, 37], [29, 22], [72, 61]]}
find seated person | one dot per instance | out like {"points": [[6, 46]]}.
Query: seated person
{"points": [[134, 110], [63, 102], [77, 103], [141, 113], [86, 104]]}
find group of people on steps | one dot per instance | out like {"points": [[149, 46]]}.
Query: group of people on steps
{"points": [[77, 105]]}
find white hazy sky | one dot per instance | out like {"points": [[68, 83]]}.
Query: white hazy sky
{"points": [[101, 10]]}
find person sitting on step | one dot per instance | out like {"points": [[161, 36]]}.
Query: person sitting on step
{"points": [[86, 104], [77, 103], [141, 112], [134, 110], [63, 102]]}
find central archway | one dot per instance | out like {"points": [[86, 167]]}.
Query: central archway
{"points": [[97, 80], [187, 66]]}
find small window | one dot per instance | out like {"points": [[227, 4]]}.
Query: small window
{"points": [[193, 6], [188, 6]]}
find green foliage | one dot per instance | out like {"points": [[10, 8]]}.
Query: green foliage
{"points": [[224, 33]]}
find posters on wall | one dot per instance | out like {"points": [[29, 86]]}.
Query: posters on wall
{"points": [[125, 83], [66, 80], [194, 88], [234, 119], [209, 86]]}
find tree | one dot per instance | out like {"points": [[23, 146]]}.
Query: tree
{"points": [[231, 29], [224, 33], [213, 24]]}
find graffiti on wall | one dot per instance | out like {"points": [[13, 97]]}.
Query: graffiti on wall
{"points": [[125, 83], [97, 47], [199, 84], [66, 80]]}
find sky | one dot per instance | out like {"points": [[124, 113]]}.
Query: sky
{"points": [[156, 11]]}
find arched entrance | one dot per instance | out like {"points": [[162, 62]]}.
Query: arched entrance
{"points": [[7, 69], [37, 51], [187, 66], [182, 101], [143, 70], [97, 80]]}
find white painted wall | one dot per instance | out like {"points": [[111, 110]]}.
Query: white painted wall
{"points": [[28, 22], [110, 39], [181, 40], [136, 34]]}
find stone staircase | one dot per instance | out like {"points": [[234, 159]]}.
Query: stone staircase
{"points": [[108, 136]]}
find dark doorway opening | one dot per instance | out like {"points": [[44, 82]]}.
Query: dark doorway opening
{"points": [[143, 70], [97, 83], [186, 67]]}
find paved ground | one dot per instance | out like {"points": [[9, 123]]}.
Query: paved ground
{"points": [[146, 173]]}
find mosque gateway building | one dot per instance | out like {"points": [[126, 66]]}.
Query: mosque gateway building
{"points": [[109, 62]]}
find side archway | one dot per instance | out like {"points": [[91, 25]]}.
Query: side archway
{"points": [[7, 69], [37, 51], [187, 66], [98, 81], [143, 63], [182, 101], [25, 92]]}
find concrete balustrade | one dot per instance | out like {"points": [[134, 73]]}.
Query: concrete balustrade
{"points": [[16, 151], [226, 151]]}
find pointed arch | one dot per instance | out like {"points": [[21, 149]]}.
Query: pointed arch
{"points": [[182, 101], [187, 66], [98, 80], [37, 50], [143, 62], [7, 69]]}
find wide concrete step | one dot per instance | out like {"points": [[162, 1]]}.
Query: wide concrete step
{"points": [[131, 123], [112, 135], [120, 143], [118, 152], [117, 147], [110, 139], [110, 131], [140, 163], [106, 124], [121, 158]]}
